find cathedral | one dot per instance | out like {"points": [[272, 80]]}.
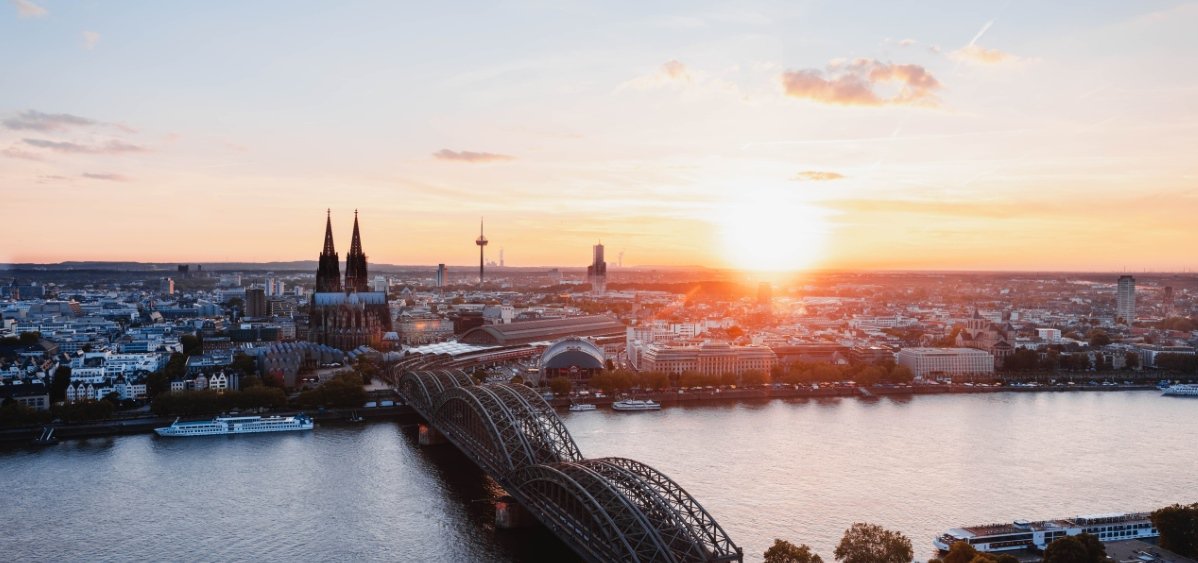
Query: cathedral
{"points": [[346, 315]]}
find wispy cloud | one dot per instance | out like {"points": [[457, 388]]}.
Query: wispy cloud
{"points": [[670, 73], [105, 176], [111, 147], [817, 176], [858, 83], [470, 156], [974, 53], [90, 39], [16, 152], [34, 120], [27, 9]]}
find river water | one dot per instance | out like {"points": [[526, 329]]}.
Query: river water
{"points": [[803, 470]]}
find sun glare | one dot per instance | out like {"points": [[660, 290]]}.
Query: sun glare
{"points": [[766, 234]]}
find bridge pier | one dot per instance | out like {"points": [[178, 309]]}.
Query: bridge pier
{"points": [[509, 514], [428, 436]]}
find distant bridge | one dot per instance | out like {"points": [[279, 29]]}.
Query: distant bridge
{"points": [[606, 509]]}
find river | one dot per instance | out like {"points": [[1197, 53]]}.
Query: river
{"points": [[803, 470]]}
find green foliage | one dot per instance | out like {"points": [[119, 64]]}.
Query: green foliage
{"points": [[244, 364], [870, 543], [13, 413], [342, 391], [29, 338], [192, 344], [1021, 359], [962, 552], [1182, 324], [560, 386], [1098, 337], [193, 403], [1132, 360], [59, 383], [1084, 548], [1177, 363], [785, 552], [85, 411], [1178, 525]]}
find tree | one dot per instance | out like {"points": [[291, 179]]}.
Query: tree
{"points": [[1132, 360], [1178, 525], [870, 543], [59, 384], [192, 344], [962, 552], [785, 552], [1084, 548], [244, 363], [901, 374], [1098, 338], [560, 386]]}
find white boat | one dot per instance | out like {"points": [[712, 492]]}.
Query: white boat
{"points": [[237, 425], [1022, 534], [580, 407], [635, 405], [1181, 390]]}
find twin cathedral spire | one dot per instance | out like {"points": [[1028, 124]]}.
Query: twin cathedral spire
{"points": [[328, 273]]}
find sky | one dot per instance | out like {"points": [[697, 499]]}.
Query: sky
{"points": [[796, 135]]}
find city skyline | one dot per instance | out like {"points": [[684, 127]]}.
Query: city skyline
{"points": [[936, 137]]}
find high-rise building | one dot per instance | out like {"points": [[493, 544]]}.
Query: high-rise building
{"points": [[168, 286], [500, 257], [440, 276], [1168, 300], [597, 271], [255, 302], [1125, 299]]}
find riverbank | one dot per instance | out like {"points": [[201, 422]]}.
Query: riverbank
{"points": [[145, 424], [679, 396]]}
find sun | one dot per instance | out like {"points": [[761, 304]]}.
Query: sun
{"points": [[765, 234]]}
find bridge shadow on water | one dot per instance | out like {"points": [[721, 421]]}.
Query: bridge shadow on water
{"points": [[472, 489]]}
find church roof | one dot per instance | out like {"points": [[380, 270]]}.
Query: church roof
{"points": [[334, 298]]}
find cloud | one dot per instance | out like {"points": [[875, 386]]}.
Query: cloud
{"points": [[111, 147], [27, 9], [14, 152], [108, 177], [858, 82], [981, 55], [90, 39], [34, 120], [675, 70], [470, 156], [817, 176], [907, 42]]}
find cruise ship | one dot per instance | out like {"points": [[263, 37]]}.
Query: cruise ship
{"points": [[1022, 534], [636, 405], [1182, 390], [237, 425]]}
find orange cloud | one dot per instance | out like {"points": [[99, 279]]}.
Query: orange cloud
{"points": [[675, 70], [977, 54], [817, 176], [470, 156], [857, 82], [27, 9]]}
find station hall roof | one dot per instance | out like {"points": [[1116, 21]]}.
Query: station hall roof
{"points": [[527, 332]]}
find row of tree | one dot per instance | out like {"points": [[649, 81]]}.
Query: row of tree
{"points": [[1023, 360], [192, 403], [869, 543], [612, 381]]}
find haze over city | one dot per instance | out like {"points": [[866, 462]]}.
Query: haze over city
{"points": [[776, 136]]}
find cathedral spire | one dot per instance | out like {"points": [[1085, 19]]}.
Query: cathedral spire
{"points": [[328, 232], [328, 273], [355, 246], [355, 263]]}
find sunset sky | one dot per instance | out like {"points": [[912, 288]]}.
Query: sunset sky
{"points": [[763, 135]]}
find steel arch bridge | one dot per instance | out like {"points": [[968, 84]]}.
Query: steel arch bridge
{"points": [[606, 509]]}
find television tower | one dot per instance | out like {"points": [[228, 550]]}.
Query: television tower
{"points": [[482, 243]]}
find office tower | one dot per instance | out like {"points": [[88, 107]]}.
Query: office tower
{"points": [[255, 302], [597, 271], [1125, 307], [168, 286], [440, 276], [1168, 300]]}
